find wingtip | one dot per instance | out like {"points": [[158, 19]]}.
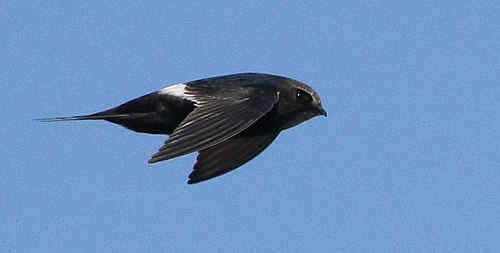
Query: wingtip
{"points": [[160, 156], [153, 160], [156, 158], [194, 180], [194, 177]]}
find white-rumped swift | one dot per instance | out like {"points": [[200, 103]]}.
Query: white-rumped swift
{"points": [[228, 119]]}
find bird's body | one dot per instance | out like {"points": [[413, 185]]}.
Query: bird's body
{"points": [[228, 119]]}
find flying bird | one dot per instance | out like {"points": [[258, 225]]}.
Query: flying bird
{"points": [[228, 120]]}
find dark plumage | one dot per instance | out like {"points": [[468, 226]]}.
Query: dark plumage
{"points": [[228, 120]]}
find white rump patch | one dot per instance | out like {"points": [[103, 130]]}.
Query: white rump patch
{"points": [[177, 90]]}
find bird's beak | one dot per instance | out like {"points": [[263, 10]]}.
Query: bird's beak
{"points": [[322, 111]]}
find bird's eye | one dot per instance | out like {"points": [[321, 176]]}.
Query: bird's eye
{"points": [[302, 96]]}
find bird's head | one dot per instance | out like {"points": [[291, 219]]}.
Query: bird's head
{"points": [[297, 103]]}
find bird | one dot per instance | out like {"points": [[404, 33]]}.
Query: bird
{"points": [[228, 119]]}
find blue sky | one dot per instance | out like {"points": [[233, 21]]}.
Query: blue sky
{"points": [[407, 160]]}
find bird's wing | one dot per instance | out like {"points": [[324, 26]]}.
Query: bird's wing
{"points": [[228, 155], [221, 113]]}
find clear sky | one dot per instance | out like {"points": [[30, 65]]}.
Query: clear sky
{"points": [[407, 161]]}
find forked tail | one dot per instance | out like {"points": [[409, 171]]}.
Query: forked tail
{"points": [[106, 115]]}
